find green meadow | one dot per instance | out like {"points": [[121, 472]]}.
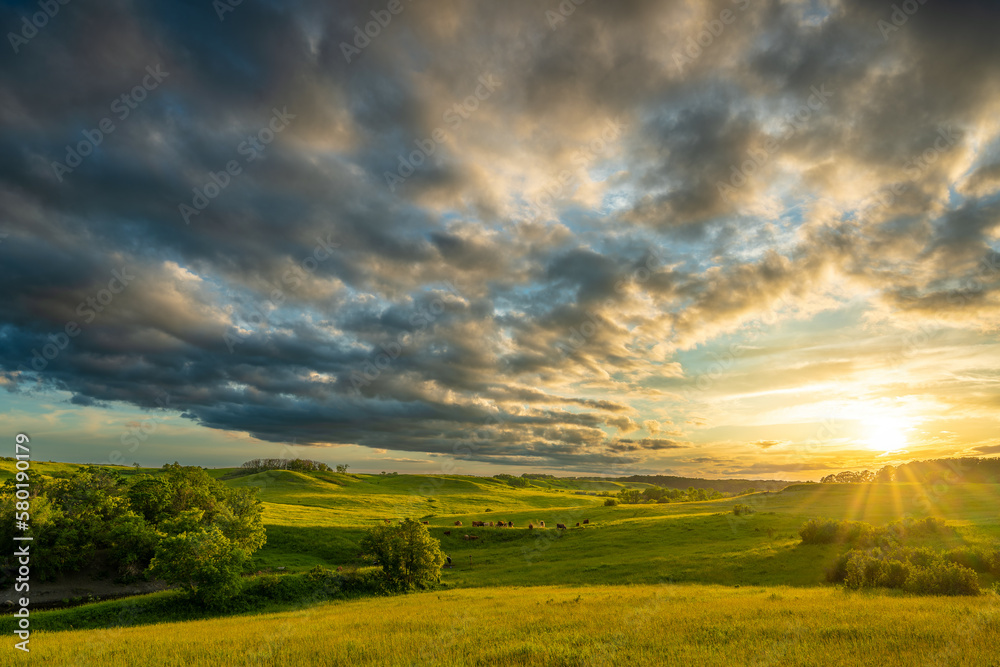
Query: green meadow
{"points": [[644, 584]]}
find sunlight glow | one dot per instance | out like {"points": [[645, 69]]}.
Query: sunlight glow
{"points": [[886, 434]]}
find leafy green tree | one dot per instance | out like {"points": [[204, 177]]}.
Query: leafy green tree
{"points": [[241, 519], [886, 474], [203, 562], [99, 512], [80, 512], [630, 496], [409, 556], [187, 521], [132, 543], [151, 497], [193, 488], [654, 493], [697, 494]]}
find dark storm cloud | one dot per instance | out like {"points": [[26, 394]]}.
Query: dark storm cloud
{"points": [[306, 299]]}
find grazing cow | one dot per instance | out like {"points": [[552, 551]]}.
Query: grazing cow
{"points": [[466, 537], [473, 537], [478, 523], [458, 523], [447, 532], [577, 524], [531, 526], [542, 524], [491, 524], [586, 520], [561, 526], [510, 524]]}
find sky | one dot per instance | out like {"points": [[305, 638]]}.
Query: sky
{"points": [[750, 238]]}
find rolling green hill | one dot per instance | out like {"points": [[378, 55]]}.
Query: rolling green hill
{"points": [[562, 597]]}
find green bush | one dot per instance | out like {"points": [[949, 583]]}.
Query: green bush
{"points": [[974, 558], [266, 586], [865, 570], [133, 545], [630, 496], [408, 555], [740, 510], [98, 515], [610, 502], [873, 569], [865, 535], [943, 578], [919, 556], [361, 581], [917, 570], [819, 531], [516, 482], [893, 574], [205, 563]]}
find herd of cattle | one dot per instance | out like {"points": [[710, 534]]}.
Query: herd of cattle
{"points": [[504, 524]]}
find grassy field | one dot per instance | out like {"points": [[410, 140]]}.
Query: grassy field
{"points": [[567, 626], [639, 584]]}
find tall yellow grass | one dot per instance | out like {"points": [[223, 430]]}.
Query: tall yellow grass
{"points": [[550, 625]]}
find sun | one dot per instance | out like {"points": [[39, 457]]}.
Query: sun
{"points": [[885, 434]]}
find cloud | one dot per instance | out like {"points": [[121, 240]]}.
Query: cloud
{"points": [[766, 444], [651, 444], [536, 280]]}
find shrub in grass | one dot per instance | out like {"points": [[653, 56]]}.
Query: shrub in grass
{"points": [[740, 510], [865, 535], [819, 531], [204, 563], [919, 556], [361, 581], [974, 558], [630, 496], [872, 570], [858, 532], [918, 571], [610, 502], [943, 578], [286, 588], [268, 584], [893, 574], [409, 557], [921, 527], [349, 582]]}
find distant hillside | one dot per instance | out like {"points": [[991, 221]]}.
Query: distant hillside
{"points": [[970, 470], [721, 485], [732, 486]]}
